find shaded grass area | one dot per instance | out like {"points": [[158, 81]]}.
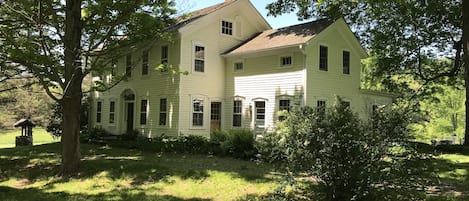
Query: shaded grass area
{"points": [[40, 136], [27, 173], [112, 173]]}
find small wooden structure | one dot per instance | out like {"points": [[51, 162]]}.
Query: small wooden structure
{"points": [[26, 138]]}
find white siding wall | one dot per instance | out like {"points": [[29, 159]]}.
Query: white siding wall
{"points": [[264, 80]]}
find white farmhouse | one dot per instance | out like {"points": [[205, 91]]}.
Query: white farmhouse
{"points": [[241, 73]]}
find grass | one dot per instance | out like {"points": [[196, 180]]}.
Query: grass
{"points": [[27, 173], [110, 173], [40, 136]]}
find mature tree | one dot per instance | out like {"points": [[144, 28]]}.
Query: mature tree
{"points": [[405, 36], [59, 42]]}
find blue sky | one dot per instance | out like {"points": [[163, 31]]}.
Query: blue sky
{"points": [[281, 21]]}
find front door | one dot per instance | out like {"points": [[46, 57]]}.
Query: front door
{"points": [[130, 117], [259, 117], [215, 117]]}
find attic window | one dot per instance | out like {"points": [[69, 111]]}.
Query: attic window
{"points": [[285, 61], [227, 27], [238, 66]]}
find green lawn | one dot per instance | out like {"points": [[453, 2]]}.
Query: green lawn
{"points": [[40, 136], [27, 173], [110, 173]]}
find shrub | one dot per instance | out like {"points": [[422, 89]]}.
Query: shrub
{"points": [[130, 136], [238, 143], [344, 153]]}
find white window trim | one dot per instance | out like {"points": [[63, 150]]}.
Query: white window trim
{"points": [[349, 62], [234, 66], [204, 123], [147, 111], [166, 112], [328, 58], [194, 44], [233, 27], [282, 98], [100, 112], [148, 63], [115, 111], [280, 60], [242, 109]]}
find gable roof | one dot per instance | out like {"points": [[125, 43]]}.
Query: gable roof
{"points": [[282, 37], [194, 15]]}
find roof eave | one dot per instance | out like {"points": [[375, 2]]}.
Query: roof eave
{"points": [[299, 45]]}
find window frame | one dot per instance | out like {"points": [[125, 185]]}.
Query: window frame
{"points": [[323, 58], [143, 112], [145, 62], [321, 108], [235, 69], [195, 58], [199, 114], [288, 57], [112, 112], [163, 111], [282, 108], [346, 62], [164, 54], [99, 112], [230, 30], [237, 114]]}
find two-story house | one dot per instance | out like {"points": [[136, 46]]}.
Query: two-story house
{"points": [[241, 74]]}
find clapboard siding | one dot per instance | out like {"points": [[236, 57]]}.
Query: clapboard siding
{"points": [[263, 79]]}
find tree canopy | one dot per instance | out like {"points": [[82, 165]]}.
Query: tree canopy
{"points": [[60, 42], [407, 38]]}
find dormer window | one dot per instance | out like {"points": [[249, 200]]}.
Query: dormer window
{"points": [[227, 27]]}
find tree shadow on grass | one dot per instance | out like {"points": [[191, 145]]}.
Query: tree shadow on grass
{"points": [[41, 163], [13, 194]]}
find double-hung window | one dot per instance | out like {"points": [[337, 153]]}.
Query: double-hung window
{"points": [[164, 54], [143, 112], [199, 58], [237, 113], [323, 57], [346, 62], [145, 56], [321, 108], [284, 106], [197, 112], [163, 111], [99, 109], [112, 112]]}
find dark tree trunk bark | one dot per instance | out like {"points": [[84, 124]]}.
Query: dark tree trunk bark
{"points": [[71, 101], [465, 43]]}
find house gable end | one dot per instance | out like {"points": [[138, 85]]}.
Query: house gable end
{"points": [[241, 7]]}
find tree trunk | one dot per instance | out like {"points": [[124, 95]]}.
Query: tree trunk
{"points": [[71, 106], [465, 43], [71, 101]]}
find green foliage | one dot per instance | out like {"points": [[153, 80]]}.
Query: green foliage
{"points": [[236, 142], [54, 125], [23, 102], [352, 159]]}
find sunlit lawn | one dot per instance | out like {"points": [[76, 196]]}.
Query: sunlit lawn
{"points": [[40, 136], [118, 174], [110, 173]]}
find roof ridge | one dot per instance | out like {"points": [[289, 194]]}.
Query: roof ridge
{"points": [[205, 11], [305, 23]]}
